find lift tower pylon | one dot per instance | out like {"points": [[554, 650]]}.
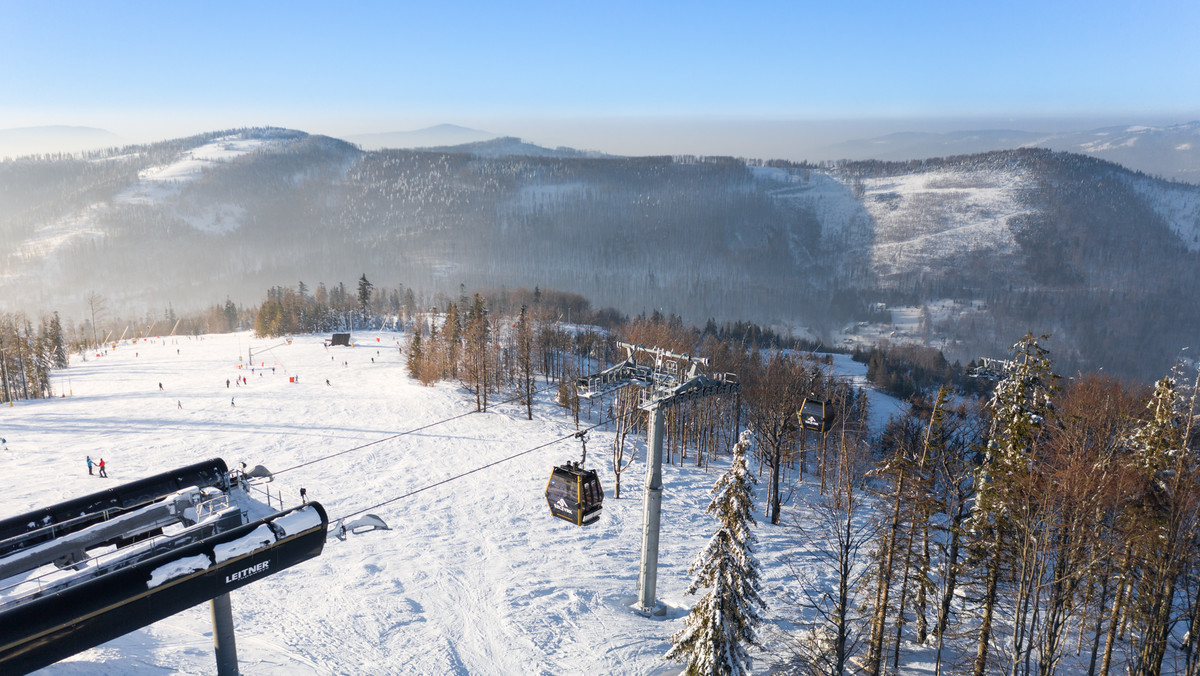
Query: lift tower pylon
{"points": [[670, 379]]}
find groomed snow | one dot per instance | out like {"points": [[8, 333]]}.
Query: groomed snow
{"points": [[474, 577]]}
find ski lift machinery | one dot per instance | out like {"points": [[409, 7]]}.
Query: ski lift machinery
{"points": [[573, 492], [668, 380]]}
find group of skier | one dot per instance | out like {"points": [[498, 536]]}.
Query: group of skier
{"points": [[103, 469]]}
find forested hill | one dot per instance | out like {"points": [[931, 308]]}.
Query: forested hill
{"points": [[985, 247]]}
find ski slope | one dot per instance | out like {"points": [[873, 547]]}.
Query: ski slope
{"points": [[474, 577]]}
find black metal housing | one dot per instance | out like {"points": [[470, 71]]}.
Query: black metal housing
{"points": [[48, 523], [44, 630]]}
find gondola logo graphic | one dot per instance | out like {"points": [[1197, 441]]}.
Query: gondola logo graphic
{"points": [[562, 506], [810, 421]]}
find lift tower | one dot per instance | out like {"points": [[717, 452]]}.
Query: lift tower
{"points": [[668, 379]]}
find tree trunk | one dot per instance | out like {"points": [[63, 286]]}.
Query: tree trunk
{"points": [[1158, 629], [1192, 646], [1105, 582], [943, 618], [1025, 584], [903, 597], [773, 497], [883, 588], [1114, 619], [989, 608], [920, 604]]}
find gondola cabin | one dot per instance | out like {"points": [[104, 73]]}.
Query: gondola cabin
{"points": [[816, 415], [574, 494]]}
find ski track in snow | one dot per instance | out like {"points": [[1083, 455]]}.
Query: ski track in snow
{"points": [[474, 577]]}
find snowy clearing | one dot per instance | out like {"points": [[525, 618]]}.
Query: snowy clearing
{"points": [[157, 183], [474, 577]]}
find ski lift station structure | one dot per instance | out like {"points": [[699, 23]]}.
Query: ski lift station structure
{"points": [[82, 572], [668, 379]]}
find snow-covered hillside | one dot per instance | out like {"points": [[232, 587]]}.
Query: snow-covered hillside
{"points": [[157, 182], [911, 222], [934, 220], [1177, 204], [154, 186], [228, 215], [475, 576], [161, 182]]}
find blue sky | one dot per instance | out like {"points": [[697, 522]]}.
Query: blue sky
{"points": [[148, 70]]}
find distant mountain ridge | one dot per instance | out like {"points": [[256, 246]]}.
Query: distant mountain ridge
{"points": [[22, 141], [511, 146], [428, 137], [1171, 152], [990, 245]]}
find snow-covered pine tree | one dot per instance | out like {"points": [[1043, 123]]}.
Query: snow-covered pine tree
{"points": [[1006, 480], [526, 375], [1167, 515], [723, 622], [58, 343], [415, 354]]}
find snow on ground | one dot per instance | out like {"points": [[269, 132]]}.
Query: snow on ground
{"points": [[49, 237], [474, 577], [156, 183], [883, 407], [924, 220], [841, 215], [1177, 204]]}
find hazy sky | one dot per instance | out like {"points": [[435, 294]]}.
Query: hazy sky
{"points": [[603, 75]]}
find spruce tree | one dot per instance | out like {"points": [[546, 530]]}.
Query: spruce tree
{"points": [[1021, 405], [415, 355], [1166, 517], [722, 623], [524, 356], [364, 295], [58, 343]]}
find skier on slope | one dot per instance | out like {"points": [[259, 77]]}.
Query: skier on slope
{"points": [[89, 462], [103, 470]]}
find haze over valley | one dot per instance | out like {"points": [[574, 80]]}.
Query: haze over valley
{"points": [[442, 282], [980, 247]]}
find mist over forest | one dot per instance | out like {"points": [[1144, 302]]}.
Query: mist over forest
{"points": [[979, 248]]}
